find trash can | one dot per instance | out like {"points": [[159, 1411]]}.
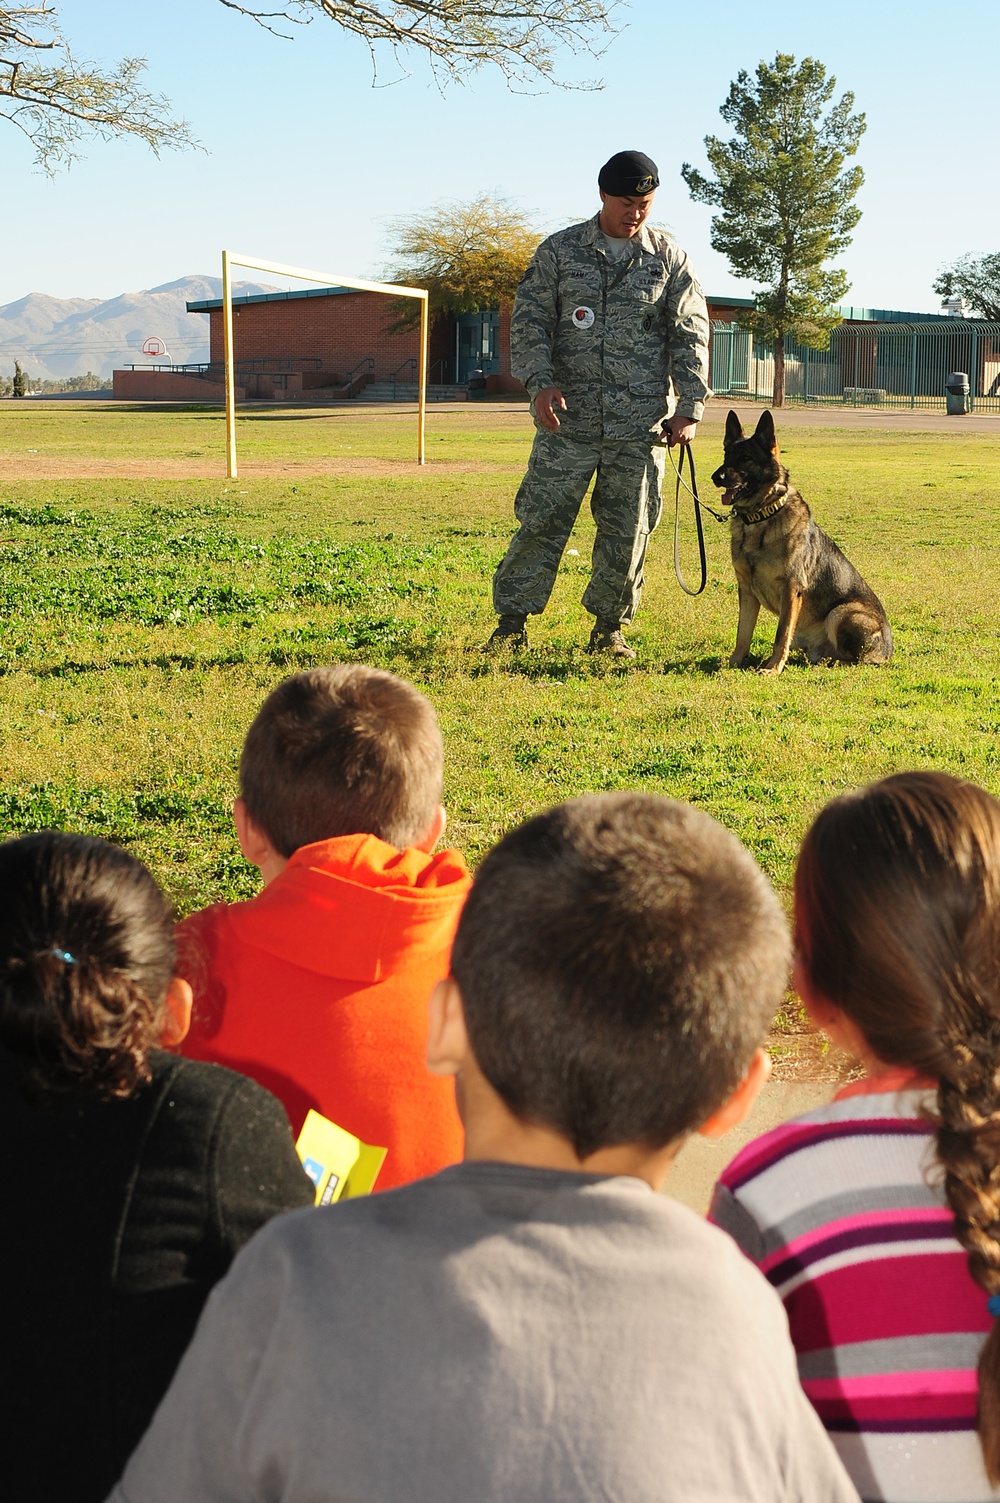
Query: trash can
{"points": [[477, 386], [956, 389]]}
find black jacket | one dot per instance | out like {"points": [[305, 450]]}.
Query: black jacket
{"points": [[118, 1217]]}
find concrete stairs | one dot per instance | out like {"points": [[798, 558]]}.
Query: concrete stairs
{"points": [[407, 391]]}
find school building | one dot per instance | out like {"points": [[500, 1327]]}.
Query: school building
{"points": [[329, 344], [337, 344], [332, 343]]}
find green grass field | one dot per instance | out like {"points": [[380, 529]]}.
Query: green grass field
{"points": [[146, 617]]}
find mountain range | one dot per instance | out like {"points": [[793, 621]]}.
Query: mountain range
{"points": [[68, 336]]}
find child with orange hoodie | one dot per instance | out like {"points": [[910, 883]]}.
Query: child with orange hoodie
{"points": [[318, 987]]}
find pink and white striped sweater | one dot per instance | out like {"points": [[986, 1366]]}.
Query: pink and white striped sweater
{"points": [[842, 1211]]}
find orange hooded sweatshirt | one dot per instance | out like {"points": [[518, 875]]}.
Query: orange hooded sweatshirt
{"points": [[318, 988]]}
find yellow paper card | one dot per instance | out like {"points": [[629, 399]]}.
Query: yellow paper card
{"points": [[338, 1163]]}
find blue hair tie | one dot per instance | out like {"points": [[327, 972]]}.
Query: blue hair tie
{"points": [[993, 1305], [63, 955]]}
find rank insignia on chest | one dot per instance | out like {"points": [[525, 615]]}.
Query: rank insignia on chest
{"points": [[583, 318]]}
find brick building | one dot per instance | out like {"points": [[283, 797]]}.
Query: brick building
{"points": [[333, 342], [328, 342]]}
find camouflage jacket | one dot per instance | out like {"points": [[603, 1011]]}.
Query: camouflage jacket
{"points": [[611, 334]]}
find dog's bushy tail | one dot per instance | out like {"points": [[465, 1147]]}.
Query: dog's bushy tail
{"points": [[863, 635]]}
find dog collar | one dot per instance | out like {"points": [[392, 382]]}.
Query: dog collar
{"points": [[764, 512]]}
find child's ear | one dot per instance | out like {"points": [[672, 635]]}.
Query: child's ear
{"points": [[253, 843], [731, 1112], [434, 831], [176, 1013], [821, 1012], [256, 846], [447, 1038]]}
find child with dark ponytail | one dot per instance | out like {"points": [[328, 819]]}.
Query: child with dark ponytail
{"points": [[130, 1177], [877, 1218]]}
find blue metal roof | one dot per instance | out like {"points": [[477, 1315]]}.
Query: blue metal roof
{"points": [[892, 316], [268, 297], [867, 315]]}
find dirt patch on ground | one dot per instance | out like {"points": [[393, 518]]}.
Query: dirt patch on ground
{"points": [[806, 1057], [891, 420], [502, 415], [77, 467]]}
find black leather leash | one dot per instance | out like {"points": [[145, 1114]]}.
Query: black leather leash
{"points": [[699, 507]]}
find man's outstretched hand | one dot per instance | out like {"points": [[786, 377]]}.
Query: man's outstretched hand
{"points": [[679, 430], [546, 402]]}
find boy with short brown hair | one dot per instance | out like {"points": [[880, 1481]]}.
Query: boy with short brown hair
{"points": [[318, 986], [535, 1324]]}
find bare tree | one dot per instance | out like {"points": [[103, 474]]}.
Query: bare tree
{"points": [[520, 37], [56, 100]]}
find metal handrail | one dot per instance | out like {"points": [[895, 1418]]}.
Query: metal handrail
{"points": [[264, 365], [407, 365], [363, 367], [193, 369]]}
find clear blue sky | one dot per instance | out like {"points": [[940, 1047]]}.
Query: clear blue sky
{"points": [[306, 162]]}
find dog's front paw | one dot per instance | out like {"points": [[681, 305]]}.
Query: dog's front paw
{"points": [[736, 661], [771, 668]]}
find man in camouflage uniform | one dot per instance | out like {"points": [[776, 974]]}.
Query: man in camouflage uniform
{"points": [[607, 314]]}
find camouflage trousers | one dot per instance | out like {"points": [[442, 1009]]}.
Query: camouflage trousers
{"points": [[625, 504]]}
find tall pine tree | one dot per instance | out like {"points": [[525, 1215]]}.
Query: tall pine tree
{"points": [[786, 199]]}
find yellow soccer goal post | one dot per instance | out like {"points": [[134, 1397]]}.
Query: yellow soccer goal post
{"points": [[252, 263]]}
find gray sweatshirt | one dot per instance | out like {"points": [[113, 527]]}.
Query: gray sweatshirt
{"points": [[496, 1334]]}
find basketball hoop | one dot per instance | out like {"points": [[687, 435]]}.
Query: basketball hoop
{"points": [[154, 347]]}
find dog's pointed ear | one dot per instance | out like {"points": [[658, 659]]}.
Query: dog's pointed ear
{"points": [[734, 429], [765, 434]]}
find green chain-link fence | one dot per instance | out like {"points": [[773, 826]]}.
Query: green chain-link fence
{"points": [[866, 364]]}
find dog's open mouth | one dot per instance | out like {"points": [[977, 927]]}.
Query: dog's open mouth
{"points": [[735, 488], [735, 493]]}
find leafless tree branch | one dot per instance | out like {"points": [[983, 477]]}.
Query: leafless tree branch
{"points": [[56, 101], [521, 37]]}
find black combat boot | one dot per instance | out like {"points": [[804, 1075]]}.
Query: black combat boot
{"points": [[607, 637], [510, 636]]}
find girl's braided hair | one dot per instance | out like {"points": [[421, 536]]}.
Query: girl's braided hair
{"points": [[897, 901], [86, 956]]}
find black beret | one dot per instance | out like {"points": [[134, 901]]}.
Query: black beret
{"points": [[628, 173]]}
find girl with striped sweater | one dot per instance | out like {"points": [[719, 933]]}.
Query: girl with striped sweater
{"points": [[877, 1218]]}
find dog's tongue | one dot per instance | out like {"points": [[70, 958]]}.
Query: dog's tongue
{"points": [[729, 496]]}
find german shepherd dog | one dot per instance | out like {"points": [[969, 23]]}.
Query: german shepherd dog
{"points": [[785, 562]]}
